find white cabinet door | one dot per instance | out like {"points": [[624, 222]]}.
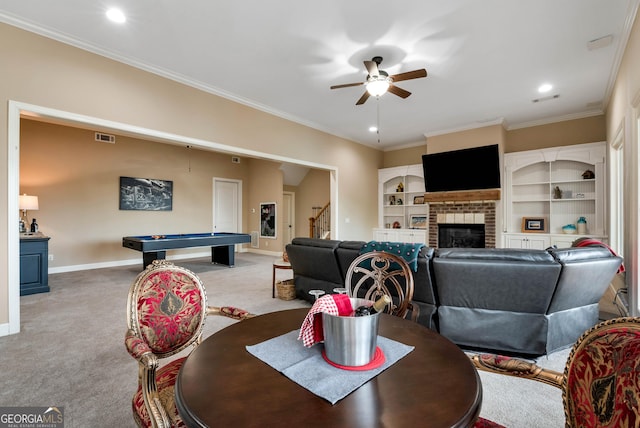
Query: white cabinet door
{"points": [[515, 241], [413, 236], [527, 241], [389, 235], [538, 242]]}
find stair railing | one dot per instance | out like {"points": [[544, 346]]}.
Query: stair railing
{"points": [[320, 223]]}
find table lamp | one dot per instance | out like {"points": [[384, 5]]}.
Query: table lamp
{"points": [[26, 203]]}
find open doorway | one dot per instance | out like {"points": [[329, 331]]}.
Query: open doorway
{"points": [[18, 110]]}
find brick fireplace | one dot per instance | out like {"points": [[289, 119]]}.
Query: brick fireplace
{"points": [[463, 208]]}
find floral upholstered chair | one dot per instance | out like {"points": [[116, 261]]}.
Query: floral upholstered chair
{"points": [[166, 310], [377, 273], [601, 380]]}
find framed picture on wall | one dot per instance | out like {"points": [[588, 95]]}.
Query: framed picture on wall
{"points": [[268, 220], [418, 222], [146, 194], [534, 224]]}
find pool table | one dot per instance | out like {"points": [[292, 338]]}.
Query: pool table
{"points": [[155, 246]]}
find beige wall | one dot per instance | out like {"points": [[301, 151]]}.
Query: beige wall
{"points": [[408, 156], [264, 186], [55, 76], [76, 180], [485, 136], [577, 131]]}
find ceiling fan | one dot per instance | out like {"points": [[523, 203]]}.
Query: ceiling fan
{"points": [[378, 81]]}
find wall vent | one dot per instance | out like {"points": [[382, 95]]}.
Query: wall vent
{"points": [[255, 242], [105, 138], [235, 159], [550, 97]]}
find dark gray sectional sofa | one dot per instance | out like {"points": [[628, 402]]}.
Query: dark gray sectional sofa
{"points": [[523, 302]]}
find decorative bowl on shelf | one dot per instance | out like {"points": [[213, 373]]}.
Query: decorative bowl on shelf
{"points": [[569, 229]]}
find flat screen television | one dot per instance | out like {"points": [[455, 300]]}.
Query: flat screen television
{"points": [[467, 169]]}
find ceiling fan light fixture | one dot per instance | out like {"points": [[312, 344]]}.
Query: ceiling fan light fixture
{"points": [[378, 85]]}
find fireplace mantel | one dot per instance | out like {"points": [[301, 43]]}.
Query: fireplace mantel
{"points": [[463, 195]]}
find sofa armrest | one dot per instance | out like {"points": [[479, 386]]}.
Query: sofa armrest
{"points": [[315, 258], [586, 274]]}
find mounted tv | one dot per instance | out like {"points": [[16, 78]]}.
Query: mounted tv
{"points": [[468, 169]]}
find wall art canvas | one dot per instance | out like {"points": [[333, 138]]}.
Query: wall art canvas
{"points": [[268, 220], [146, 194]]}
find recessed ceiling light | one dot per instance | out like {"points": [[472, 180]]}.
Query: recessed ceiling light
{"points": [[545, 87], [373, 128], [116, 15]]}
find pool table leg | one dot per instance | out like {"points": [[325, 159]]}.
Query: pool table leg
{"points": [[148, 258], [223, 254]]}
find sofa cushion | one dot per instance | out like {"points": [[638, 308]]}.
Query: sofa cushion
{"points": [[502, 254], [496, 279], [347, 252]]}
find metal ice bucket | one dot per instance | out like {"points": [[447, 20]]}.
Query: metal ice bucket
{"points": [[348, 340]]}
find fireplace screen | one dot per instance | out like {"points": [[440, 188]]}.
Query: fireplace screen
{"points": [[460, 235]]}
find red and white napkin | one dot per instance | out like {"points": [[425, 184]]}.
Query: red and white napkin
{"points": [[311, 329]]}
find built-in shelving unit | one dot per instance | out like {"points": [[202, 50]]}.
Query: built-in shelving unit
{"points": [[401, 200], [558, 185]]}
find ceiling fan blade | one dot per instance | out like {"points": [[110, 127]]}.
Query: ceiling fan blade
{"points": [[398, 91], [415, 74], [347, 85], [363, 98], [372, 68]]}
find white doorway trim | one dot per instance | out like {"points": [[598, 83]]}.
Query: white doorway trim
{"points": [[18, 108], [214, 208], [292, 219]]}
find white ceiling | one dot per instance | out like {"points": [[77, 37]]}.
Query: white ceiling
{"points": [[485, 59]]}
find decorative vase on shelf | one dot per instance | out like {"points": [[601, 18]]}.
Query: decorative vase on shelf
{"points": [[582, 226]]}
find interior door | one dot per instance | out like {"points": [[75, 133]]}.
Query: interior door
{"points": [[226, 205], [288, 217]]}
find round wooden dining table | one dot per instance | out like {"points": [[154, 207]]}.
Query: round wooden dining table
{"points": [[222, 384]]}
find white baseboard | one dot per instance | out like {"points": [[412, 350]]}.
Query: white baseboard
{"points": [[128, 262], [265, 252]]}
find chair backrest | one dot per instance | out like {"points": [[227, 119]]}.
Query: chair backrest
{"points": [[167, 307], [377, 273], [602, 376]]}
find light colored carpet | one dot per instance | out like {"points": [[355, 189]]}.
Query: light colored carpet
{"points": [[70, 350]]}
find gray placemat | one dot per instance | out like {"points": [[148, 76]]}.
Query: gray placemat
{"points": [[307, 367]]}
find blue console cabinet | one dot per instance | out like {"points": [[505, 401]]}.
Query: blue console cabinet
{"points": [[34, 264]]}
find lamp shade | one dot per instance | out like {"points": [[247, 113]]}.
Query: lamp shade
{"points": [[28, 202], [377, 86]]}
